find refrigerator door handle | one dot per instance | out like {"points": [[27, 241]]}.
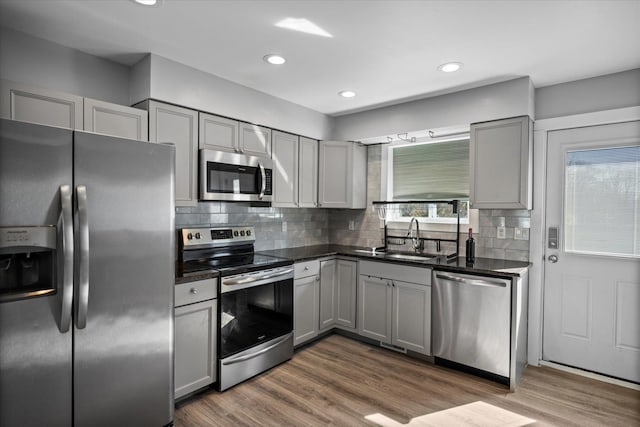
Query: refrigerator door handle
{"points": [[66, 270], [83, 256]]}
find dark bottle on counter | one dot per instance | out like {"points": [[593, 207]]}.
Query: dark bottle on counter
{"points": [[471, 248]]}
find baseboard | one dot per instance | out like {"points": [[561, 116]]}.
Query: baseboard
{"points": [[589, 374]]}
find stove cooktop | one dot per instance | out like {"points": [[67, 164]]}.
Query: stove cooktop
{"points": [[229, 267]]}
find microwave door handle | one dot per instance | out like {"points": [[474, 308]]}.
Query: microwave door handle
{"points": [[263, 181]]}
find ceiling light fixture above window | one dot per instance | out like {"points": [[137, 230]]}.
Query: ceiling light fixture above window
{"points": [[274, 59], [347, 93], [302, 25], [450, 67]]}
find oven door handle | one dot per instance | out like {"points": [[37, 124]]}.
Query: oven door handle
{"points": [[251, 279], [257, 353]]}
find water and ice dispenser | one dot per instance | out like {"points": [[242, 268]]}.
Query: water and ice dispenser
{"points": [[27, 262]]}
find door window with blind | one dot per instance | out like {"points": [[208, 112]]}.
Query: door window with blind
{"points": [[602, 201], [429, 171]]}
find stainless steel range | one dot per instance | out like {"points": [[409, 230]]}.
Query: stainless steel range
{"points": [[256, 299]]}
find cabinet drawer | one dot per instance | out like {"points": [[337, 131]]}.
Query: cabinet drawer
{"points": [[306, 268], [200, 290], [400, 272]]}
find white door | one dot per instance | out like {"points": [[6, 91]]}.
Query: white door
{"points": [[592, 274]]}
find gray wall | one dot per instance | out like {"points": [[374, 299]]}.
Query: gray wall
{"points": [[176, 83], [48, 65], [601, 93], [500, 100]]}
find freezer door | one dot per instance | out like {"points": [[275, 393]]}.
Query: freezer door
{"points": [[35, 350], [123, 332]]}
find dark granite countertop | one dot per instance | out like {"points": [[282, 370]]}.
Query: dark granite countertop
{"points": [[181, 277], [495, 267]]}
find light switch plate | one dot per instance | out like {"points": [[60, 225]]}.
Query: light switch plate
{"points": [[502, 233], [521, 234], [284, 226], [352, 225]]}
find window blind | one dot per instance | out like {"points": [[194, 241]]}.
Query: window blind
{"points": [[431, 171]]}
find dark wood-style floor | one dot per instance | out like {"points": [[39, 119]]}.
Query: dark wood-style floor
{"points": [[338, 381]]}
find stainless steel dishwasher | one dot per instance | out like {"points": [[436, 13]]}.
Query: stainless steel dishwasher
{"points": [[472, 321]]}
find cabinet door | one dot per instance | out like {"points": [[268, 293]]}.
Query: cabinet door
{"points": [[374, 308], [328, 289], [31, 104], [500, 157], [335, 167], [195, 346], [218, 133], [305, 309], [178, 126], [347, 280], [115, 120], [308, 173], [255, 140], [412, 316], [285, 170]]}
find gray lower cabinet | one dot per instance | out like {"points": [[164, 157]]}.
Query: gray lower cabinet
{"points": [[306, 295], [328, 294], [392, 310], [195, 336], [346, 294]]}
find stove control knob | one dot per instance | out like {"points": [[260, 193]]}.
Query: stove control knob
{"points": [[242, 233], [197, 235], [248, 232], [189, 236], [235, 233]]}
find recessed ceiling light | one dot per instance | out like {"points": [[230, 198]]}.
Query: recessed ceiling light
{"points": [[303, 25], [347, 93], [147, 2], [274, 59], [450, 67]]}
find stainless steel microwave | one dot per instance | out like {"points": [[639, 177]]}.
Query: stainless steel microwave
{"points": [[235, 177]]}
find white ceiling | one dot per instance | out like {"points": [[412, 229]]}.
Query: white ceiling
{"points": [[386, 51]]}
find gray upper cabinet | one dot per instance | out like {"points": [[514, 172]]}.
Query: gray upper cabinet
{"points": [[115, 120], [308, 173], [342, 175], [219, 133], [31, 104], [255, 140], [285, 171], [500, 158], [178, 126]]}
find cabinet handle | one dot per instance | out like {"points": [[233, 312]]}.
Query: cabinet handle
{"points": [[306, 268], [194, 290]]}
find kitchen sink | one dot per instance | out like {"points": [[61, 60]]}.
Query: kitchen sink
{"points": [[410, 257]]}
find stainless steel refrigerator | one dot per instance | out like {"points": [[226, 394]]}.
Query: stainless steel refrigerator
{"points": [[86, 279]]}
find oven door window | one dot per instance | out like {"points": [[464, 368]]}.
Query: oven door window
{"points": [[234, 179], [251, 316]]}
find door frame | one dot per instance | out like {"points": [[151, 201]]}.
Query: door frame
{"points": [[538, 213]]}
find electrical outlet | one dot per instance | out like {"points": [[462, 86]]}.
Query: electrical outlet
{"points": [[284, 226], [521, 234], [502, 233], [352, 225]]}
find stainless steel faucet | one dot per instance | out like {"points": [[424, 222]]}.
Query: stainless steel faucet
{"points": [[418, 245]]}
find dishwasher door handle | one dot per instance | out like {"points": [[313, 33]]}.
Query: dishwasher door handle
{"points": [[475, 282]]}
